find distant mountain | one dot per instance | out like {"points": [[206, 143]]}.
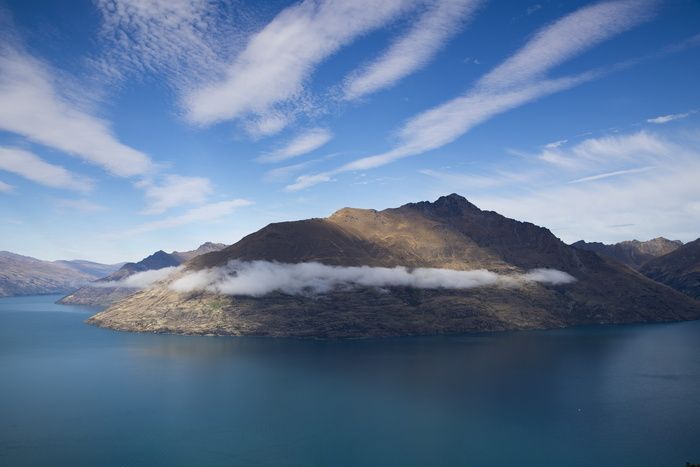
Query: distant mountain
{"points": [[24, 275], [100, 294], [450, 234], [91, 268], [679, 269], [632, 253]]}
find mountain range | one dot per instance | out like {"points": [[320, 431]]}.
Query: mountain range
{"points": [[632, 253], [24, 275], [679, 269], [108, 289], [438, 267]]}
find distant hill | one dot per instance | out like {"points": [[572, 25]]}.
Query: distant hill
{"points": [[679, 269], [24, 275], [632, 253], [449, 234], [97, 294]]}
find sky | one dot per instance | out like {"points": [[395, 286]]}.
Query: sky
{"points": [[130, 126]]}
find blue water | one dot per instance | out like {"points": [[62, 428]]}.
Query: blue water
{"points": [[75, 395]]}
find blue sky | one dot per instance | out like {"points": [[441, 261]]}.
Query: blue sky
{"points": [[128, 126]]}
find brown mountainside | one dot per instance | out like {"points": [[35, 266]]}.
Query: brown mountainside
{"points": [[679, 269], [450, 233], [632, 253], [98, 295]]}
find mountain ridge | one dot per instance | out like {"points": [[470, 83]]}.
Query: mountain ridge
{"points": [[632, 253], [679, 269], [26, 275], [101, 295]]}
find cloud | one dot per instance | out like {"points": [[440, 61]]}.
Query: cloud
{"points": [[184, 39], [444, 124], [258, 278], [556, 144], [640, 179], [174, 191], [567, 37], [32, 167], [616, 173], [80, 205], [283, 173], [440, 21], [517, 81], [533, 8], [306, 142], [274, 65], [32, 106], [607, 149], [669, 118], [5, 187], [206, 213], [140, 280], [268, 124]]}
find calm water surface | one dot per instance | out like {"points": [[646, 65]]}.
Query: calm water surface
{"points": [[75, 395]]}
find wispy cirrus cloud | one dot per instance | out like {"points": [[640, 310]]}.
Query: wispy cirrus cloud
{"points": [[622, 185], [442, 125], [32, 167], [440, 21], [304, 143], [660, 120], [6, 187], [272, 69], [206, 213], [518, 80], [616, 173], [174, 191], [608, 149], [556, 144], [567, 37], [31, 105], [647, 204]]}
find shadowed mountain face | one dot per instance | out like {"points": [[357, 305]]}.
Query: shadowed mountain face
{"points": [[100, 295], [632, 253], [679, 269], [450, 233], [24, 275]]}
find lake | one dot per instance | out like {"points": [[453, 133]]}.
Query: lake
{"points": [[76, 395]]}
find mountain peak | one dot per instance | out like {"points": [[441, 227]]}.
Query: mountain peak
{"points": [[453, 201], [446, 206]]}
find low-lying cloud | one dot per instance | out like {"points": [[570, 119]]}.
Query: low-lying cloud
{"points": [[258, 278], [140, 280]]}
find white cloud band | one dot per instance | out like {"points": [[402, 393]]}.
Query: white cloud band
{"points": [[258, 278]]}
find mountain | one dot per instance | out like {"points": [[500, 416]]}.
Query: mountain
{"points": [[24, 275], [100, 293], [632, 253], [679, 269], [89, 267], [450, 233]]}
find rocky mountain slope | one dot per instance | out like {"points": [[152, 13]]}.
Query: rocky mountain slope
{"points": [[679, 269], [450, 234], [24, 275], [632, 253], [99, 293]]}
